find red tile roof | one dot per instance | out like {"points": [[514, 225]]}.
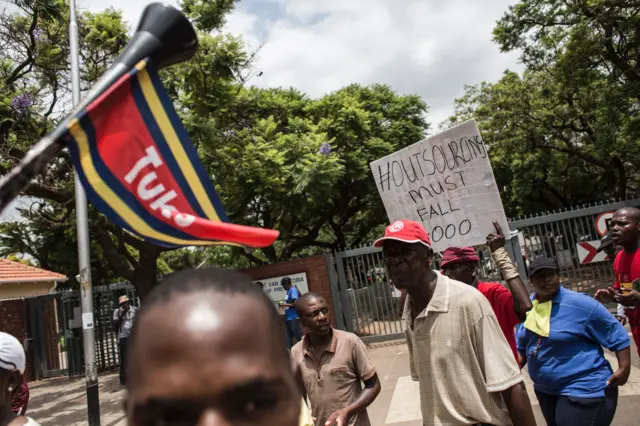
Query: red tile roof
{"points": [[16, 272]]}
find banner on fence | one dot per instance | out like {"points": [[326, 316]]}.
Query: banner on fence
{"points": [[274, 290], [587, 252], [446, 183]]}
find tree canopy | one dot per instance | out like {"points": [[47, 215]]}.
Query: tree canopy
{"points": [[279, 158], [573, 116]]}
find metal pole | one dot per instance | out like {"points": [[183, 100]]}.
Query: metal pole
{"points": [[84, 262]]}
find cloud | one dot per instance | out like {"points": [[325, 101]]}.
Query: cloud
{"points": [[431, 48]]}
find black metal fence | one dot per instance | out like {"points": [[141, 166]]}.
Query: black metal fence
{"points": [[371, 306], [56, 338]]}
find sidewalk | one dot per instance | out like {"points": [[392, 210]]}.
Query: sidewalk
{"points": [[399, 402], [63, 401]]}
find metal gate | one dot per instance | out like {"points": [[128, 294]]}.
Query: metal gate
{"points": [[370, 305], [44, 317], [55, 331], [558, 234]]}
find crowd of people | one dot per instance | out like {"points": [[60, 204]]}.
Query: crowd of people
{"points": [[208, 346]]}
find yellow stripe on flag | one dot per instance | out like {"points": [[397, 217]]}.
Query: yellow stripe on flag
{"points": [[169, 133]]}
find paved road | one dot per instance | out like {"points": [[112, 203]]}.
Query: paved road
{"points": [[399, 405]]}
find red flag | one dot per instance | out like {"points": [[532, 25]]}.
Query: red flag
{"points": [[140, 169]]}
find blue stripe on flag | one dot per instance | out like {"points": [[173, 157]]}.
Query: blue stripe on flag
{"points": [[186, 143]]}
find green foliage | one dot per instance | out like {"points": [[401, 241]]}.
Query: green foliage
{"points": [[573, 117], [267, 155], [262, 147]]}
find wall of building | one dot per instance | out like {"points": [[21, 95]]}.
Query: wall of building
{"points": [[315, 267], [13, 320], [16, 290]]}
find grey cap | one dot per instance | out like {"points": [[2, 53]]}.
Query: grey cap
{"points": [[540, 264]]}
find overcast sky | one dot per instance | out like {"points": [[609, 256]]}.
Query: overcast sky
{"points": [[431, 48]]}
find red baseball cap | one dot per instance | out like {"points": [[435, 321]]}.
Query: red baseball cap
{"points": [[454, 255], [406, 231]]}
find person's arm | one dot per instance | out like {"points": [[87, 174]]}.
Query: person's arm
{"points": [[621, 375], [521, 301], [628, 298], [291, 303], [519, 405], [367, 396], [117, 316], [605, 330], [520, 345], [522, 359]]}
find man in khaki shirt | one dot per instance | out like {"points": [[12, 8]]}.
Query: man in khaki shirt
{"points": [[458, 353], [332, 364]]}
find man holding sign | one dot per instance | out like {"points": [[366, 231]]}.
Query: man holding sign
{"points": [[457, 351]]}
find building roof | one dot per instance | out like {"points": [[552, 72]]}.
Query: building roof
{"points": [[16, 272]]}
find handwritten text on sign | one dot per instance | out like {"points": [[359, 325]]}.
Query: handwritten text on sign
{"points": [[446, 183]]}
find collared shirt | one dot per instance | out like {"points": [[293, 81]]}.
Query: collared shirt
{"points": [[333, 383], [501, 300], [292, 295], [460, 356], [570, 361], [127, 321]]}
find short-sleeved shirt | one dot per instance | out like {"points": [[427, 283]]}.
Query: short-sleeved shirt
{"points": [[460, 356], [501, 300], [127, 321], [626, 267], [571, 361], [292, 295], [335, 382]]}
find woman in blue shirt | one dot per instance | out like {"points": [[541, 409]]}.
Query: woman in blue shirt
{"points": [[561, 341]]}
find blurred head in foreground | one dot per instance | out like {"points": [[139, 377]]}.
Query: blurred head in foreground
{"points": [[12, 365], [208, 349]]}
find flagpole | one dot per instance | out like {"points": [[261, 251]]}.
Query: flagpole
{"points": [[84, 261]]}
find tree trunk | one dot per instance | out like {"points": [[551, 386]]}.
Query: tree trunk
{"points": [[622, 178], [146, 275]]}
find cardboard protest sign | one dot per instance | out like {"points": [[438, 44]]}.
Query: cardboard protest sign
{"points": [[446, 183]]}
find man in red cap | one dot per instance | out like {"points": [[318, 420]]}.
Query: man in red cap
{"points": [[511, 307], [457, 350]]}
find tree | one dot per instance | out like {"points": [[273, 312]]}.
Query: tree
{"points": [[278, 158], [301, 165], [34, 81], [597, 34], [572, 117]]}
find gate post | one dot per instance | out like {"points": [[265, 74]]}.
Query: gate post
{"points": [[335, 292], [342, 292], [515, 252]]}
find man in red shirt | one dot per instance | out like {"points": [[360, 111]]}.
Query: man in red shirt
{"points": [[510, 307], [625, 230]]}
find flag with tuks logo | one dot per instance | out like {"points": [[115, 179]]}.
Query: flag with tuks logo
{"points": [[139, 168]]}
